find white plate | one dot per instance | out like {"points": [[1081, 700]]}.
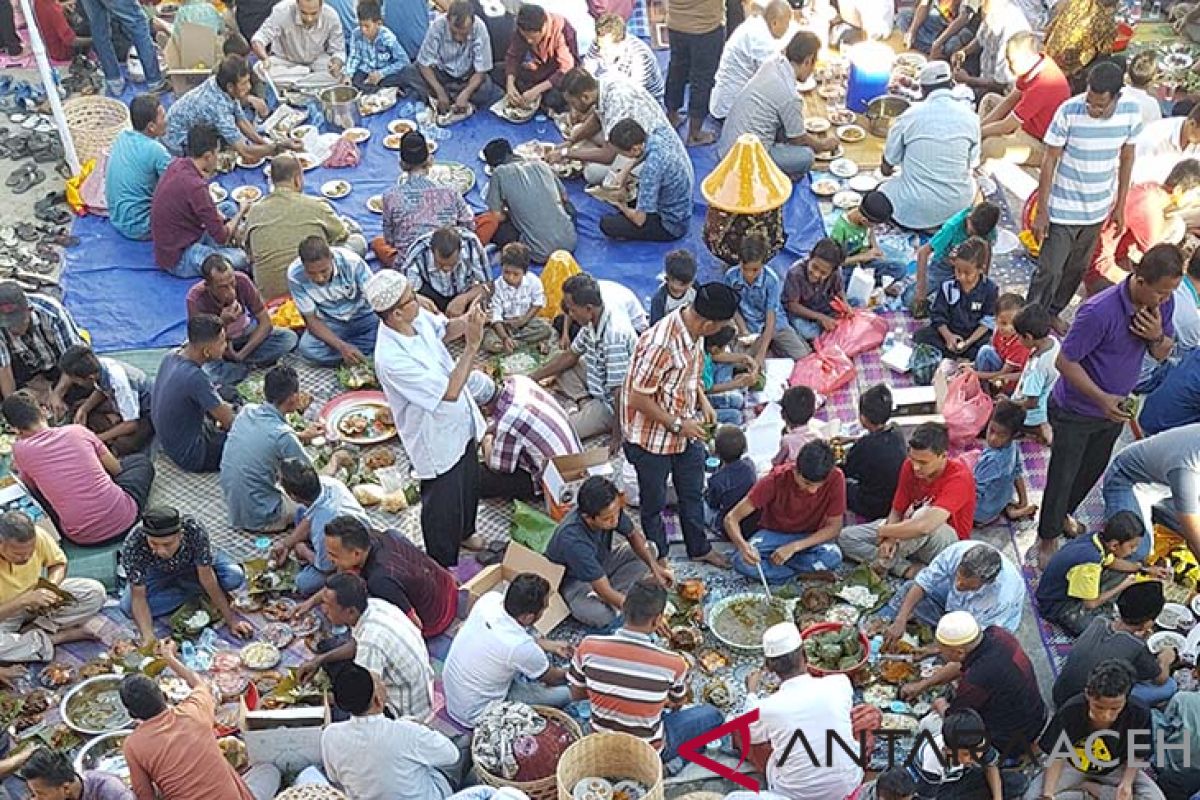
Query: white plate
{"points": [[357, 135], [817, 125], [843, 168], [847, 200], [401, 126], [1196, 605], [244, 164], [1175, 616], [375, 204], [863, 183], [808, 85], [251, 194], [831, 155], [826, 187], [1006, 242], [336, 189], [851, 134], [1163, 639], [217, 192]]}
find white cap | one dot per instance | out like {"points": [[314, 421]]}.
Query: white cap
{"points": [[481, 388], [779, 640], [935, 72], [957, 629], [384, 289]]}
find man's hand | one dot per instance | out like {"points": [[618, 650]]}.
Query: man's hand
{"points": [[1117, 219], [462, 102], [893, 634], [1147, 324], [259, 105], [560, 649], [306, 671], [373, 78], [476, 319], [1113, 408], [167, 650], [513, 97], [828, 323], [750, 554], [509, 344], [958, 59], [782, 554], [530, 99], [239, 627], [57, 407], [1125, 790], [351, 355], [38, 600], [442, 102], [1160, 572], [1041, 222], [231, 312], [911, 690], [693, 430], [961, 75], [279, 551], [663, 576], [335, 68], [80, 416]]}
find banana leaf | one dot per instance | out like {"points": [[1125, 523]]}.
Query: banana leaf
{"points": [[864, 576], [262, 580], [178, 621]]}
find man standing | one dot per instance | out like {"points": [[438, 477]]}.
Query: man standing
{"points": [[1099, 364], [1012, 127], [329, 288], [455, 60], [440, 425], [936, 145], [135, 163], [307, 44], [753, 43], [1084, 182], [252, 339], [127, 16], [697, 32], [664, 434]]}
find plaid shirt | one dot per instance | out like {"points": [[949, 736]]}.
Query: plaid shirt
{"points": [[638, 23], [458, 59], [384, 55], [51, 332], [472, 267], [417, 205], [390, 645], [530, 428], [667, 365]]}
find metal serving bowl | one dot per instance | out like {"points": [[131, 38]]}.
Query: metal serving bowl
{"points": [[882, 111], [70, 706], [104, 754], [721, 607]]}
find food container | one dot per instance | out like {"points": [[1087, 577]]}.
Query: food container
{"points": [[826, 627], [109, 687], [104, 754], [752, 642], [882, 111], [339, 104]]}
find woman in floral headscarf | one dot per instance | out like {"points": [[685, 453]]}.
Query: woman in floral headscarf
{"points": [[1080, 32]]}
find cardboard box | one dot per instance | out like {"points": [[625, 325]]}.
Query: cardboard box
{"points": [[565, 474], [518, 559], [912, 406], [192, 54], [289, 738]]}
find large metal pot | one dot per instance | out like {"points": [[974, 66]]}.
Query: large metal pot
{"points": [[106, 685], [339, 104], [882, 111]]}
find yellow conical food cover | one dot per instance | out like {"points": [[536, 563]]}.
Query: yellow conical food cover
{"points": [[747, 181]]}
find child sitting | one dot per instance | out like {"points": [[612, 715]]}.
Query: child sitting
{"points": [[967, 766], [999, 364], [1085, 576], [854, 230], [760, 309], [872, 467], [1033, 324], [933, 258], [116, 404], [964, 309], [517, 299], [376, 57], [894, 784], [731, 481], [678, 286], [726, 391], [998, 472], [811, 287], [798, 405]]}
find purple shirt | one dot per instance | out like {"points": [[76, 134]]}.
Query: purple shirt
{"points": [[102, 786], [1100, 341], [181, 212]]}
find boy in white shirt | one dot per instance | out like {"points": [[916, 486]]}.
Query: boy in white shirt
{"points": [[1143, 69], [516, 300], [1032, 324]]}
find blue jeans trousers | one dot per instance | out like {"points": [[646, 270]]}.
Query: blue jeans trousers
{"points": [[166, 593], [1121, 493], [807, 329], [1153, 695], [682, 724], [686, 470], [279, 342], [192, 258], [729, 407], [927, 610], [988, 360], [359, 332], [128, 15], [818, 558]]}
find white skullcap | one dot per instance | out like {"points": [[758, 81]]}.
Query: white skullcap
{"points": [[481, 388], [384, 289], [957, 629], [781, 639]]}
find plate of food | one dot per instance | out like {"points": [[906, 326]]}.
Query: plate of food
{"points": [[399, 127], [230, 684], [826, 187], [279, 634], [843, 613], [843, 168], [392, 141], [1175, 616], [56, 675], [847, 200], [375, 204], [260, 655], [175, 689], [217, 192], [356, 135], [841, 116], [879, 694], [452, 173], [307, 161], [308, 624], [253, 163], [830, 155], [851, 133], [898, 722], [511, 113], [1176, 61], [225, 661], [377, 103], [361, 417], [863, 183], [279, 609], [910, 60], [94, 707], [246, 194], [303, 131], [1164, 639], [831, 90], [356, 376], [817, 125], [335, 189]]}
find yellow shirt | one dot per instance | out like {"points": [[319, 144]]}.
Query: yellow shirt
{"points": [[18, 579]]}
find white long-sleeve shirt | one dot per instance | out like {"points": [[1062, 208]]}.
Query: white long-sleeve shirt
{"points": [[376, 758]]}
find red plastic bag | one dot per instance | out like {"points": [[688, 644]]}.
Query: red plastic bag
{"points": [[344, 154], [855, 334], [967, 408], [824, 371]]}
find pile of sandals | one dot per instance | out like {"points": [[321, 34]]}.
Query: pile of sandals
{"points": [[30, 252]]}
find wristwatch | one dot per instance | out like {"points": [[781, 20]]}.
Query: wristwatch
{"points": [[676, 425]]}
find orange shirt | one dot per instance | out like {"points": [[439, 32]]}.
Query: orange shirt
{"points": [[177, 754]]}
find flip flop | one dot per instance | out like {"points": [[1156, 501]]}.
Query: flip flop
{"points": [[49, 200], [18, 175], [54, 216], [28, 233], [32, 178]]}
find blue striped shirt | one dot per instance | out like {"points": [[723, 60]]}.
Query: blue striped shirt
{"points": [[343, 298], [1086, 180]]}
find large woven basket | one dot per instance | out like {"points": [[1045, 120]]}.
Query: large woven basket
{"points": [[614, 757], [545, 788], [94, 123]]}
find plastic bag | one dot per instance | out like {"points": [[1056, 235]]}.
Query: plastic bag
{"points": [[860, 286], [824, 371], [966, 409], [74, 187], [924, 363], [855, 334], [344, 154], [531, 527], [92, 190]]}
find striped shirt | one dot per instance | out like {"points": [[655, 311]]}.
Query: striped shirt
{"points": [[606, 348], [619, 99], [472, 267], [530, 428], [383, 55], [343, 298], [390, 645], [629, 680], [51, 331], [666, 365], [510, 302], [1086, 180], [457, 59], [630, 60]]}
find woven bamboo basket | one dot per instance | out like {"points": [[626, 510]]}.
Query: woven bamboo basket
{"points": [[545, 788], [614, 757], [94, 123]]}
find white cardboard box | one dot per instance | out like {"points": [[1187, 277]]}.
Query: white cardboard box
{"points": [[518, 559]]}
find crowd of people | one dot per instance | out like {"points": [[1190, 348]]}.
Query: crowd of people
{"points": [[666, 388]]}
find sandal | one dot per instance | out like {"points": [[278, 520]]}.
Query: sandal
{"points": [[49, 200], [31, 178], [54, 216], [18, 175], [27, 233]]}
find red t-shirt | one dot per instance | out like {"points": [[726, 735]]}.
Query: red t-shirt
{"points": [[952, 491], [1043, 89], [1145, 225], [201, 301], [787, 508], [1011, 350]]}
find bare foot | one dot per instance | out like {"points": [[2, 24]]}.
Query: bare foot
{"points": [[1046, 549], [714, 558], [73, 634], [675, 118], [473, 542], [701, 138], [1073, 528], [1020, 512]]}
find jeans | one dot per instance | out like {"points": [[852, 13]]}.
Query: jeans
{"points": [[1152, 694], [683, 724], [279, 342], [936, 273], [618, 226], [1121, 493], [358, 332], [310, 580], [536, 693], [988, 360], [165, 593], [927, 609], [1065, 256], [818, 558], [729, 407], [694, 61], [933, 27], [807, 329], [129, 17], [687, 473], [1078, 457], [192, 258], [794, 159]]}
